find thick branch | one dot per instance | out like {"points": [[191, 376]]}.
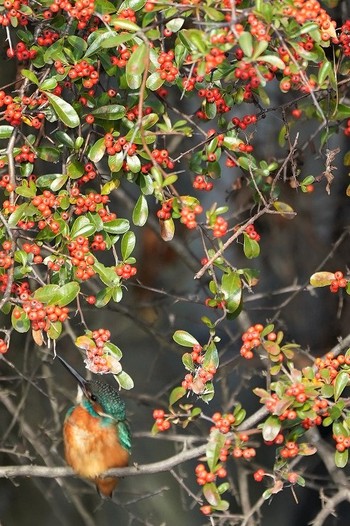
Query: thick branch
{"points": [[154, 467]]}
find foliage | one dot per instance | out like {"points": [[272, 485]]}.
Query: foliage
{"points": [[95, 108]]}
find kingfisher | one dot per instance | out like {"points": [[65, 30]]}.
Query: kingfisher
{"points": [[96, 433]]}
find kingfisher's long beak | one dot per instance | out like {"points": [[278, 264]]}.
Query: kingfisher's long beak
{"points": [[81, 381]]}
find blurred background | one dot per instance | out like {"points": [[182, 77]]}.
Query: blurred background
{"points": [[36, 391]]}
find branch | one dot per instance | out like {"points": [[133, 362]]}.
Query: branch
{"points": [[329, 508], [154, 467]]}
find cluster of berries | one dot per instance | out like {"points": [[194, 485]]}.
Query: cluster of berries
{"points": [[339, 282], [46, 203], [33, 248], [244, 122], [214, 96], [125, 271], [344, 38], [274, 403], [223, 422], [161, 423], [258, 28], [342, 442], [251, 339], [127, 14], [290, 450], [26, 155], [97, 360], [200, 183], [3, 346], [81, 258], [196, 382], [82, 10], [320, 407], [12, 9], [5, 255], [121, 60], [47, 38], [188, 215], [117, 145], [196, 354], [204, 476], [165, 212], [252, 233], [98, 243], [133, 113], [162, 158], [21, 52], [5, 183], [55, 264], [88, 203], [167, 70], [40, 316], [13, 110], [331, 364], [304, 10], [220, 227], [88, 175]]}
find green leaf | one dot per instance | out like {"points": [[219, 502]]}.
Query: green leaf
{"points": [[111, 112], [21, 324], [48, 153], [271, 428], [115, 162], [64, 111], [68, 293], [75, 168], [30, 75], [55, 330], [215, 444], [58, 182], [82, 227], [103, 297], [107, 275], [128, 244], [176, 394], [231, 287], [124, 380], [6, 131], [97, 150], [251, 247], [116, 226], [154, 81], [211, 493], [245, 41], [114, 350], [140, 212], [211, 357], [48, 294], [185, 339], [341, 381], [133, 162], [136, 66], [48, 84], [273, 60], [341, 458], [188, 361]]}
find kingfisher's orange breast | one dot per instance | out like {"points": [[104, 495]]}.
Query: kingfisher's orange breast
{"points": [[92, 447]]}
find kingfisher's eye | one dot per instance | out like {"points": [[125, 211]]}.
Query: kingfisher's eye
{"points": [[93, 398]]}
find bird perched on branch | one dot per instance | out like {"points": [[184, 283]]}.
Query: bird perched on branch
{"points": [[96, 433]]}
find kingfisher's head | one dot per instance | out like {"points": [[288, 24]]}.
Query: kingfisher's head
{"points": [[103, 398]]}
